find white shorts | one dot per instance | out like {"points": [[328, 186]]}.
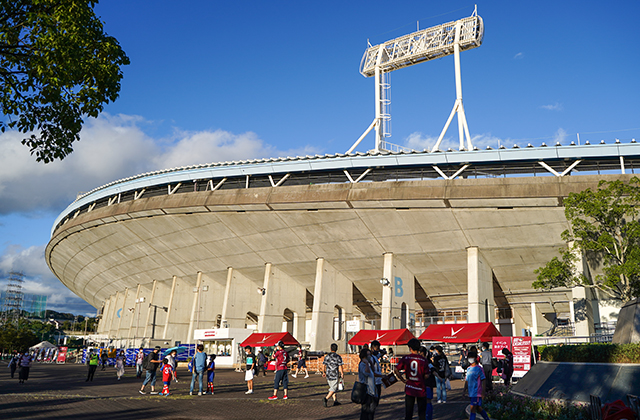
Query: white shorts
{"points": [[248, 376]]}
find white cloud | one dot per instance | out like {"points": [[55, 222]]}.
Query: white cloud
{"points": [[39, 280], [112, 147], [553, 107], [560, 136], [419, 141], [518, 56]]}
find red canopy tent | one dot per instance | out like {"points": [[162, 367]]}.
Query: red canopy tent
{"points": [[460, 333], [269, 339], [385, 337]]}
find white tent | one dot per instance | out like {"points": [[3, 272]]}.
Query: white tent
{"points": [[43, 345]]}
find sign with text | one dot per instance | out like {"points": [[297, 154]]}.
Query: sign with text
{"points": [[353, 326], [521, 349]]}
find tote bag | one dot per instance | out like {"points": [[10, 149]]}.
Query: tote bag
{"points": [[359, 393]]}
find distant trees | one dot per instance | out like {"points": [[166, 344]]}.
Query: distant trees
{"points": [[604, 224]]}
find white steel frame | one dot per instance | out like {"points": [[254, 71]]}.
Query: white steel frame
{"points": [[418, 47]]}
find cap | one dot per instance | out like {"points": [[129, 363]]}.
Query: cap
{"points": [[280, 344]]}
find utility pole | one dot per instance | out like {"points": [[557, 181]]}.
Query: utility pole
{"points": [[155, 311]]}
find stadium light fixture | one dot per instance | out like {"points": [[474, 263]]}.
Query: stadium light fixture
{"points": [[418, 47]]}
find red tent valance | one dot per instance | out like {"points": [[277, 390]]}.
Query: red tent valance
{"points": [[269, 339], [385, 337], [460, 333]]}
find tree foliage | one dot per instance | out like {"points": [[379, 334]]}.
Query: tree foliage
{"points": [[603, 223], [57, 65]]}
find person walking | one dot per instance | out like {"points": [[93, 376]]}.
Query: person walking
{"points": [[475, 381], [486, 358], [251, 365], [171, 359], [367, 376], [507, 366], [302, 363], [120, 361], [376, 356], [334, 372], [417, 371], [139, 358], [282, 359], [262, 363], [150, 364], [199, 365], [92, 365], [442, 373], [24, 365], [105, 358], [13, 363], [167, 375]]}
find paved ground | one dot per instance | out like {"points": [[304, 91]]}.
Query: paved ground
{"points": [[60, 391]]}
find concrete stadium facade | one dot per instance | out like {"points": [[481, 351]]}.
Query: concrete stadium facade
{"points": [[305, 244]]}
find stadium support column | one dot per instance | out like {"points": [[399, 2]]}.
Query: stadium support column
{"points": [[282, 297], [240, 299], [480, 299], [170, 306], [332, 293], [131, 336], [151, 302], [196, 296], [539, 323], [582, 305], [398, 295], [105, 320], [112, 316]]}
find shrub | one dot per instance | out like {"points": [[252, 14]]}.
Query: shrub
{"points": [[594, 353], [501, 405]]}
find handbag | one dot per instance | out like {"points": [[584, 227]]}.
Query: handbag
{"points": [[359, 393], [341, 385]]}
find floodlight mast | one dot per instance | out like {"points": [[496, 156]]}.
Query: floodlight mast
{"points": [[418, 47]]}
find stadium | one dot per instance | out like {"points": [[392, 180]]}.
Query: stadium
{"points": [[390, 238]]}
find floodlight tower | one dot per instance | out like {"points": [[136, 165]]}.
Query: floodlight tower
{"points": [[418, 47]]}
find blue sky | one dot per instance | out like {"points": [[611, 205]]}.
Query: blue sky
{"points": [[226, 80]]}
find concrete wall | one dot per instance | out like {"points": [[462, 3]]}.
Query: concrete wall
{"points": [[331, 289]]}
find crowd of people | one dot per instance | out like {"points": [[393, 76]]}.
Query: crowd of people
{"points": [[421, 371]]}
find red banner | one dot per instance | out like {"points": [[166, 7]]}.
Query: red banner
{"points": [[62, 355], [499, 343], [521, 349]]}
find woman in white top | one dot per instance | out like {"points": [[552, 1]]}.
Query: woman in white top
{"points": [[120, 359], [366, 376]]}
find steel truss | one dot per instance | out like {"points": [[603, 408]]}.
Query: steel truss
{"points": [[419, 47]]}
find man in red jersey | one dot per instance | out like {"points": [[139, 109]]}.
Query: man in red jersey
{"points": [[282, 360], [417, 371]]}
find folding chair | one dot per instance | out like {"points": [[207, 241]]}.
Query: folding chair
{"points": [[595, 409], [634, 403]]}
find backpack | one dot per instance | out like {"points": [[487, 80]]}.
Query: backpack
{"points": [[146, 362], [500, 366]]}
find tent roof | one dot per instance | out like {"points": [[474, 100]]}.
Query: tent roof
{"points": [[269, 339], [43, 345], [460, 333], [385, 337]]}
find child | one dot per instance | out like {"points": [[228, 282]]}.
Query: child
{"points": [[251, 365], [211, 373], [475, 381], [167, 374]]}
